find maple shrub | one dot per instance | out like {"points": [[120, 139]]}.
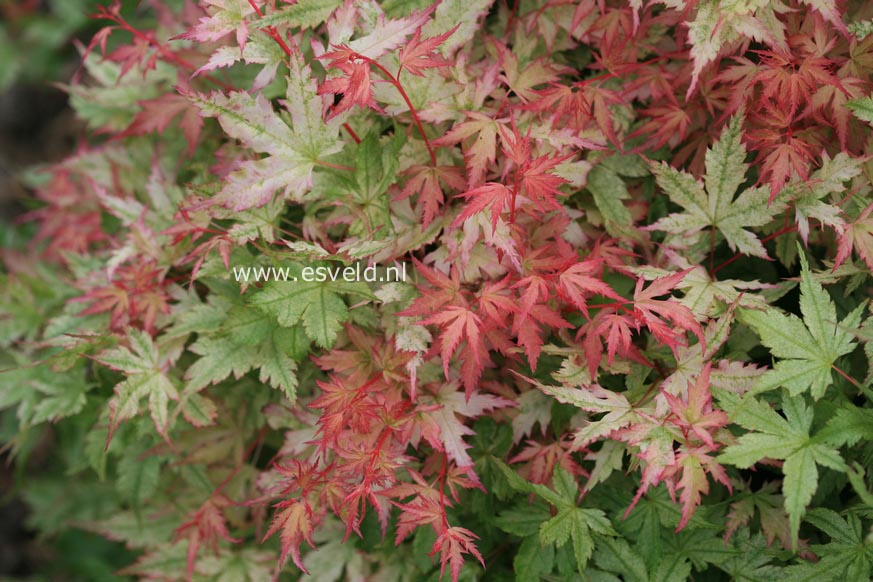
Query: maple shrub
{"points": [[634, 341]]}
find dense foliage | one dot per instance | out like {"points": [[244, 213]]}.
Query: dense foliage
{"points": [[634, 343]]}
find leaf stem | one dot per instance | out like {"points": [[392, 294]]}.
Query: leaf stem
{"points": [[351, 132], [865, 391], [271, 31], [443, 471], [711, 251], [162, 50], [766, 239], [394, 81]]}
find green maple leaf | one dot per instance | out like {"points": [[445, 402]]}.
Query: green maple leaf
{"points": [[39, 392], [616, 555], [747, 558], [711, 203], [786, 438], [848, 556], [305, 14], [862, 108], [816, 197], [570, 522], [248, 339], [376, 164], [146, 377], [234, 338], [317, 304], [807, 348]]}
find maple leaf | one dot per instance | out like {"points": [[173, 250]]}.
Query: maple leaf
{"points": [[533, 407], [837, 97], [829, 11], [418, 55], [451, 429], [540, 460], [769, 505], [775, 437], [146, 377], [135, 296], [807, 347], [617, 330], [717, 25], [229, 16], [425, 181], [579, 282], [317, 304], [260, 51], [696, 413], [812, 198], [783, 152], [594, 399], [695, 463], [460, 323], [292, 151], [568, 522], [388, 34], [157, 114], [789, 82], [206, 525], [233, 339], [580, 104], [535, 73], [847, 555], [715, 206], [652, 312], [482, 153], [530, 335], [442, 290], [303, 14], [862, 108], [666, 124], [295, 521], [355, 86], [491, 195], [858, 234], [451, 545], [539, 184]]}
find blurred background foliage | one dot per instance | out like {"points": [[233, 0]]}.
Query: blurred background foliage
{"points": [[37, 53]]}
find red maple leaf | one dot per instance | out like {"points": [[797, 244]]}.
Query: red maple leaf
{"points": [[695, 414], [666, 319], [857, 235], [459, 323], [694, 463], [451, 545], [580, 281], [541, 186], [491, 195], [617, 329], [480, 153], [425, 181], [419, 55], [295, 522], [579, 105], [157, 114], [422, 510], [355, 87], [206, 526], [135, 296]]}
